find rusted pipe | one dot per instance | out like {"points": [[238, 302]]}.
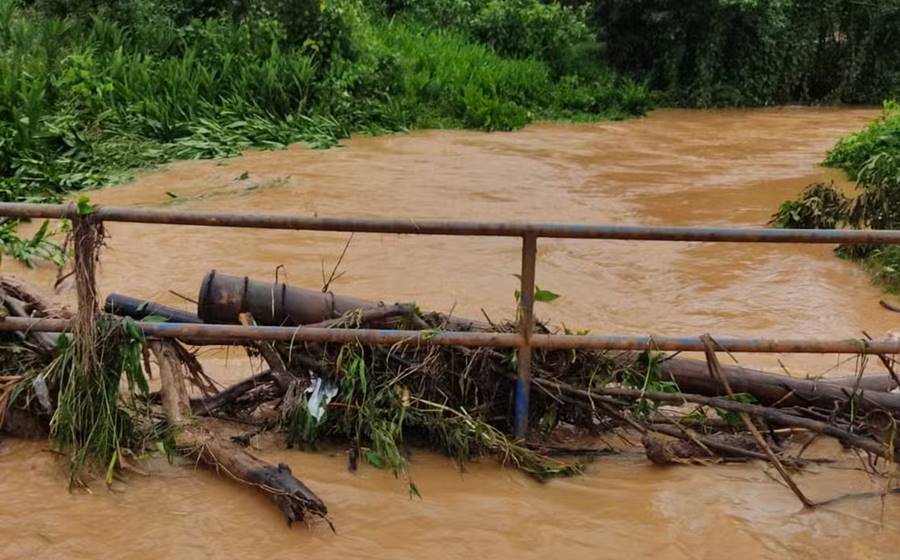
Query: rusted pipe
{"points": [[238, 334], [224, 297], [445, 227], [694, 344], [136, 308]]}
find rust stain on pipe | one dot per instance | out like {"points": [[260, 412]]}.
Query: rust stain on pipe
{"points": [[223, 298], [446, 227], [238, 334]]}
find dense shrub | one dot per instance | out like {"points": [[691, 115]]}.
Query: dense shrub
{"points": [[546, 31], [881, 136], [83, 99], [725, 52], [872, 157], [820, 206]]}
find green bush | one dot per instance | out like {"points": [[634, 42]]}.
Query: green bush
{"points": [[84, 99], [873, 158], [755, 52], [821, 206], [882, 136], [547, 31]]}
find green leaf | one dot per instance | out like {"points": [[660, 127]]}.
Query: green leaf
{"points": [[545, 296], [84, 206], [360, 367], [374, 458], [414, 490], [111, 467], [155, 319]]}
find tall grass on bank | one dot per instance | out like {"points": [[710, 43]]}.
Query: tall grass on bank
{"points": [[83, 99]]}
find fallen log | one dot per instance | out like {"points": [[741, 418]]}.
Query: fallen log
{"points": [[771, 414], [692, 376], [195, 439]]}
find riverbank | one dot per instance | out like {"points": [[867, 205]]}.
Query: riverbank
{"points": [[871, 157]]}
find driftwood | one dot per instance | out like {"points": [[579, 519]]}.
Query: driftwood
{"points": [[692, 376], [209, 405], [890, 306], [18, 299], [770, 414], [195, 439], [715, 371], [688, 448]]}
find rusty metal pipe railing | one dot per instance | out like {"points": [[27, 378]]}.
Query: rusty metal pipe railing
{"points": [[239, 333], [526, 326], [444, 227], [524, 341]]}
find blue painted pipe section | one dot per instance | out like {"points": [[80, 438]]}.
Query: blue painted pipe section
{"points": [[521, 413]]}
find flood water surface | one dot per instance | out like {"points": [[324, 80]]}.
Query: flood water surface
{"points": [[672, 168]]}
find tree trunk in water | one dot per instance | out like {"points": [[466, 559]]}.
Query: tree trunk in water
{"points": [[196, 440], [770, 389]]}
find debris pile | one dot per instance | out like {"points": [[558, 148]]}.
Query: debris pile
{"points": [[380, 401]]}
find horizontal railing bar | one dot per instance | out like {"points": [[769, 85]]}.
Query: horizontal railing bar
{"points": [[445, 227], [239, 333]]}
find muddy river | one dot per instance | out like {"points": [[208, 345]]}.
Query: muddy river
{"points": [[729, 167]]}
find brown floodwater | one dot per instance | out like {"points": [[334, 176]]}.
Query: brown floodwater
{"points": [[729, 167]]}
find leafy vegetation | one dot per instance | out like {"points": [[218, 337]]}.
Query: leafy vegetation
{"points": [[853, 152], [89, 90], [754, 52], [40, 247], [872, 157], [93, 421]]}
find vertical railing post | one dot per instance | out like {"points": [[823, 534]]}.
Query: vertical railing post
{"points": [[526, 326]]}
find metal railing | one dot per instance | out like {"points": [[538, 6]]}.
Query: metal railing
{"points": [[525, 340]]}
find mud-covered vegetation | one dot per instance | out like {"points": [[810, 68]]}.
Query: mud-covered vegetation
{"points": [[872, 158]]}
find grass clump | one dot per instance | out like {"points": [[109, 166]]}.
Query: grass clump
{"points": [[93, 420]]}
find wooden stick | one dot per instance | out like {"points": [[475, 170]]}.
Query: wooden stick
{"points": [[715, 371], [208, 405], [276, 365], [776, 416], [194, 439]]}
